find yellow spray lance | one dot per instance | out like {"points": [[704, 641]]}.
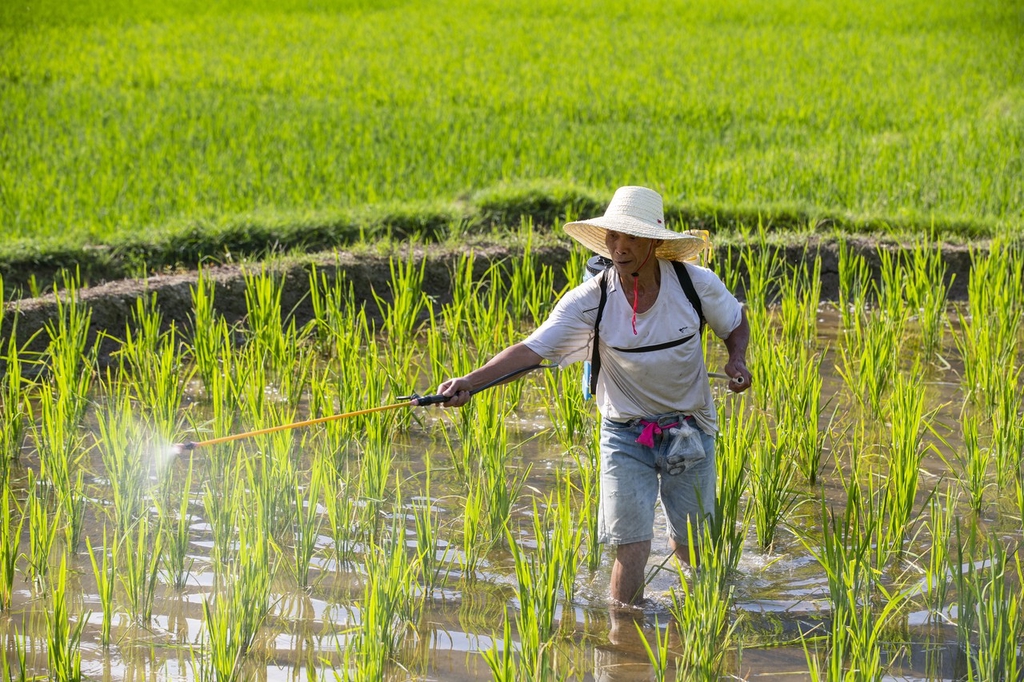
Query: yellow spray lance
{"points": [[411, 400]]}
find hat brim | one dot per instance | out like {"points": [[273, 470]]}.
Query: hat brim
{"points": [[675, 245]]}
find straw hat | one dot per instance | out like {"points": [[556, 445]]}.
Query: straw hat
{"points": [[636, 211]]}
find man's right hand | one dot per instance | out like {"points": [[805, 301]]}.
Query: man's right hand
{"points": [[457, 390]]}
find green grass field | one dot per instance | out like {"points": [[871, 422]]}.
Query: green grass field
{"points": [[121, 118]]}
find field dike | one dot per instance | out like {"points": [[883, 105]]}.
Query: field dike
{"points": [[111, 303]]}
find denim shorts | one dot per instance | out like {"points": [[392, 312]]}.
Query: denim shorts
{"points": [[634, 475]]}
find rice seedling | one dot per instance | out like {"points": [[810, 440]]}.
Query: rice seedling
{"points": [[854, 284], [588, 472], [210, 335], [529, 283], [856, 630], [139, 552], [121, 443], [503, 488], [240, 605], [175, 525], [387, 607], [15, 651], [476, 542], [105, 571], [12, 409], [432, 550], [500, 658], [1000, 616], [220, 510], [736, 440], [10, 543], [341, 509], [941, 520], [307, 522], [974, 462], [772, 496], [567, 409], [43, 527], [566, 536], [658, 654], [989, 337], [63, 644], [798, 305], [792, 385], [538, 578], [870, 354], [1008, 432], [151, 367], [904, 452], [963, 568], [272, 477], [926, 291], [402, 313], [702, 610]]}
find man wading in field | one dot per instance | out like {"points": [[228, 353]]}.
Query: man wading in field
{"points": [[658, 417]]}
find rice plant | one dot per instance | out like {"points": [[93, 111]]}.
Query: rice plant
{"points": [[1000, 616], [341, 509], [658, 654], [43, 526], [139, 551], [121, 443], [64, 635], [175, 522], [387, 607], [772, 496], [13, 411], [105, 572], [240, 605], [10, 543], [1008, 432], [587, 459], [307, 522], [856, 628], [538, 578], [941, 521], [151, 367], [702, 610], [500, 659], [974, 461], [905, 450], [432, 550], [926, 291], [989, 337], [738, 437]]}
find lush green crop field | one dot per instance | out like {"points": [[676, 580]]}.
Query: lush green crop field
{"points": [[120, 116]]}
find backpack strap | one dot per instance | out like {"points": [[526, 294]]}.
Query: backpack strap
{"points": [[595, 355], [690, 291], [684, 281]]}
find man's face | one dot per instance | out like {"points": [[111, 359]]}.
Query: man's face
{"points": [[629, 253]]}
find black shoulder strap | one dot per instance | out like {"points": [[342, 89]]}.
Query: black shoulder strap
{"points": [[684, 281], [691, 293], [595, 356]]}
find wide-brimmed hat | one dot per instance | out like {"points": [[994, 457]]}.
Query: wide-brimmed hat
{"points": [[636, 211]]}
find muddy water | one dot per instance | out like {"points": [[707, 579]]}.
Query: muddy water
{"points": [[778, 596]]}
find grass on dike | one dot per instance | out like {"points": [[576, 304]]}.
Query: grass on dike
{"points": [[167, 131]]}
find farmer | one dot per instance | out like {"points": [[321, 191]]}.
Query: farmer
{"points": [[658, 427]]}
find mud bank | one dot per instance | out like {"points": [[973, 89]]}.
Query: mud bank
{"points": [[112, 303]]}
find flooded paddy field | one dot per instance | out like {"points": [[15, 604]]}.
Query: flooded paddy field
{"points": [[869, 513]]}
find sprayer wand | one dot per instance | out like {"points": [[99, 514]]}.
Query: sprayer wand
{"points": [[411, 400]]}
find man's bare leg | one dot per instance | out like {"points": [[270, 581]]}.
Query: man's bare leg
{"points": [[685, 554], [628, 572]]}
